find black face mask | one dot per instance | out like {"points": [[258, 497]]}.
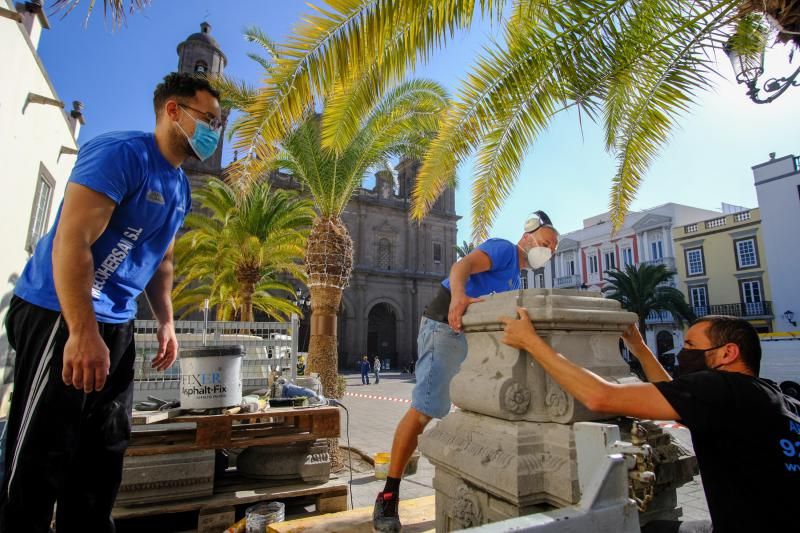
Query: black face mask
{"points": [[690, 361]]}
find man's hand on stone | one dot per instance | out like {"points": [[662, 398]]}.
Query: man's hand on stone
{"points": [[86, 361], [458, 306], [519, 332], [167, 347]]}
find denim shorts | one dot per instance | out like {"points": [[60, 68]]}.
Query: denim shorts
{"points": [[441, 352]]}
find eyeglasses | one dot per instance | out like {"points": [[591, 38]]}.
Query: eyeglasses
{"points": [[213, 122]]}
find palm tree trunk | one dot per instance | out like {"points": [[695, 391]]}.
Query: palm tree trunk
{"points": [[322, 352], [329, 261]]}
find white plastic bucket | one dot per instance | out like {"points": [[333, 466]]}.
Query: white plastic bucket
{"points": [[211, 376]]}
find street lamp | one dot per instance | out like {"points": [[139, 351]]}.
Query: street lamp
{"points": [[749, 69], [789, 316]]}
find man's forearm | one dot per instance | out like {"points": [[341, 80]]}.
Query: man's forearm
{"points": [[459, 274], [159, 292], [73, 273], [652, 368]]}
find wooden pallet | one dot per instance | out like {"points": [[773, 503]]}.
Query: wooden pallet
{"points": [[416, 515], [206, 432], [218, 511]]}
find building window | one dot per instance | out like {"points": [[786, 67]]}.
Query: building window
{"points": [[437, 253], [698, 297], [694, 262], [752, 298], [746, 255], [40, 213], [627, 256], [593, 264], [201, 67], [609, 261], [384, 254], [656, 250], [538, 281], [523, 279]]}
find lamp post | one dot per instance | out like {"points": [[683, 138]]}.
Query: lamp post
{"points": [[749, 69]]}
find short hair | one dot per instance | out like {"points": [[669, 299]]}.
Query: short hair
{"points": [[724, 329], [182, 85]]}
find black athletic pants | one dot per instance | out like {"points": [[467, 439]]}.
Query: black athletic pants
{"points": [[63, 445]]}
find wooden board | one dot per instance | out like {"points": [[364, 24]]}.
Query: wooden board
{"points": [[237, 490], [416, 515], [241, 430], [153, 417]]}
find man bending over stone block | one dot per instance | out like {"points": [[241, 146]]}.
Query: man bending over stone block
{"points": [[494, 266], [746, 433]]}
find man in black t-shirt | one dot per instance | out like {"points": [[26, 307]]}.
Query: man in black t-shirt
{"points": [[746, 433]]}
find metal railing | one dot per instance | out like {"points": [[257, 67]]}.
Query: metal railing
{"points": [[743, 310], [660, 317], [568, 281], [268, 346]]}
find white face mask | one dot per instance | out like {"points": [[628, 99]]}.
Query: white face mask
{"points": [[538, 256]]}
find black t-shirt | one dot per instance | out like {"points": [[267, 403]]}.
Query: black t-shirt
{"points": [[746, 436]]}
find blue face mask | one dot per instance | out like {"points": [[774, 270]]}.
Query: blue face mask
{"points": [[205, 139]]}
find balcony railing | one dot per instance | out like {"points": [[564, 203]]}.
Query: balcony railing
{"points": [[743, 310], [563, 282], [741, 216], [660, 317], [715, 223], [690, 228]]}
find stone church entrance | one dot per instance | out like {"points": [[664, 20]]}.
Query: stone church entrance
{"points": [[382, 334]]}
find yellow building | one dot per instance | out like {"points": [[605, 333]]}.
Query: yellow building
{"points": [[722, 267]]}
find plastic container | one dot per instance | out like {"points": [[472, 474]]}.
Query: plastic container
{"points": [[211, 376], [381, 464], [259, 516]]}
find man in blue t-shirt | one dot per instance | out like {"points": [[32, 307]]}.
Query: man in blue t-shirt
{"points": [[494, 266], [71, 318]]}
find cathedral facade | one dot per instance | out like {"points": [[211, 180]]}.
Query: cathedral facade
{"points": [[397, 264]]}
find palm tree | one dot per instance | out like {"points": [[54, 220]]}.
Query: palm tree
{"points": [[240, 249], [401, 124], [634, 65], [643, 289], [464, 249]]}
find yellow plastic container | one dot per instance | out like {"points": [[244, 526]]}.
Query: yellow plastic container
{"points": [[381, 464]]}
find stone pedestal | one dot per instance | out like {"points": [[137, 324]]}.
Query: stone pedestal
{"points": [[510, 449]]}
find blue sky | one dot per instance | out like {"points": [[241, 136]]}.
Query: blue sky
{"points": [[567, 172]]}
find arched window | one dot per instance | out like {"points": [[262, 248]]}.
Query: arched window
{"points": [[201, 67], [384, 261]]}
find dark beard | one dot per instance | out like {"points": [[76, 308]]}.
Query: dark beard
{"points": [[181, 144]]}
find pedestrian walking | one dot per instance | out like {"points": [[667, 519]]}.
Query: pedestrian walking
{"points": [[376, 367], [364, 364]]}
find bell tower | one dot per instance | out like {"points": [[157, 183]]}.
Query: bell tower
{"points": [[200, 53]]}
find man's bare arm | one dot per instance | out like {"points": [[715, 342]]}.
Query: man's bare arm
{"points": [[474, 262], [652, 368], [84, 216], [641, 400], [159, 295]]}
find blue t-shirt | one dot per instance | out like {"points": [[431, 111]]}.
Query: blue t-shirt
{"points": [[504, 274], [152, 200]]}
